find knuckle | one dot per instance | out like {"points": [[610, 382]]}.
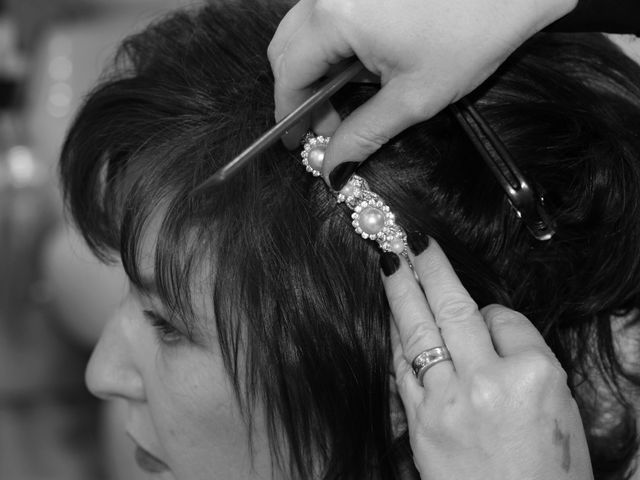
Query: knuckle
{"points": [[368, 140], [273, 53], [278, 70], [498, 316], [486, 392], [545, 369], [541, 372], [494, 310], [336, 9], [416, 108], [457, 309], [416, 104]]}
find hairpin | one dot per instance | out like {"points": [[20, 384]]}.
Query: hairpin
{"points": [[528, 205], [372, 218]]}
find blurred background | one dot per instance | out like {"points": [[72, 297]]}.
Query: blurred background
{"points": [[54, 297]]}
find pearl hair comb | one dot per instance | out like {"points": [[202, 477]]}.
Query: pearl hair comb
{"points": [[372, 218]]}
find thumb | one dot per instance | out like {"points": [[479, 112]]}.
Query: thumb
{"points": [[390, 111]]}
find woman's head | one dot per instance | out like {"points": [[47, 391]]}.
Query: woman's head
{"points": [[256, 309]]}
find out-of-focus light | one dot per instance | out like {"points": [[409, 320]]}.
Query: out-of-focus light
{"points": [[60, 68], [60, 94], [59, 101], [21, 165], [60, 44]]}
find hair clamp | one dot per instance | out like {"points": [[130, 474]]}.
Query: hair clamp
{"points": [[527, 203]]}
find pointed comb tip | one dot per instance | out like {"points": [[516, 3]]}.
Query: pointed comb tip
{"points": [[210, 182]]}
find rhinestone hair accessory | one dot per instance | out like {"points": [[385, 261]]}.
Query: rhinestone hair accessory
{"points": [[372, 218]]}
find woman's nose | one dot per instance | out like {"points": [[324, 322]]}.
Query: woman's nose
{"points": [[112, 372]]}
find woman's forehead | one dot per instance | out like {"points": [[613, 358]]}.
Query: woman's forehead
{"points": [[198, 267]]}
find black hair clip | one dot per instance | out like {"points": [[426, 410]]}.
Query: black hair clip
{"points": [[528, 205]]}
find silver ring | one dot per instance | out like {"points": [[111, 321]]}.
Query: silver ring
{"points": [[427, 359]]}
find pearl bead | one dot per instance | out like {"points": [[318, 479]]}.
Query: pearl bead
{"points": [[396, 245], [316, 157], [347, 190], [371, 220]]}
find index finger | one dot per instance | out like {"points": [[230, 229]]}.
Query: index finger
{"points": [[462, 326], [308, 53]]}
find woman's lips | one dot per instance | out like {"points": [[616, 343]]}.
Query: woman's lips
{"points": [[148, 462]]}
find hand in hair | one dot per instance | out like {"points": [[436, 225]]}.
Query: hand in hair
{"points": [[428, 55], [501, 409]]}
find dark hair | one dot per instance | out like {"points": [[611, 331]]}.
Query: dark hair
{"points": [[296, 290]]}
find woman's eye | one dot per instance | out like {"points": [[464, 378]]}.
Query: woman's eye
{"points": [[167, 333]]}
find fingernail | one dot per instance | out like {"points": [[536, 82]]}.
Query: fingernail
{"points": [[418, 242], [341, 174], [389, 263]]}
